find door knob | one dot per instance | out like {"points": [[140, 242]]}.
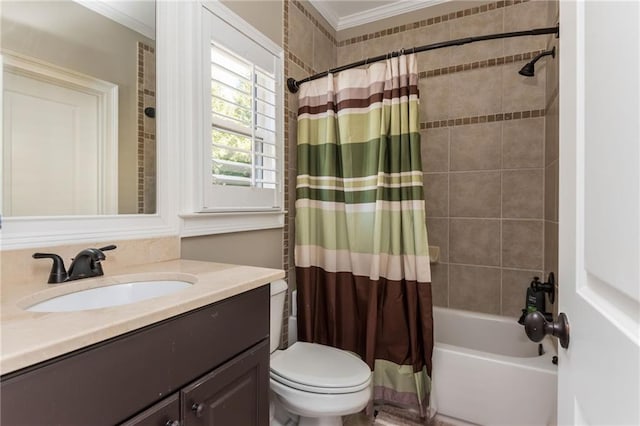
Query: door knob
{"points": [[536, 327]]}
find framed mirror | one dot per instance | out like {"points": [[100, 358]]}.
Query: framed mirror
{"points": [[79, 98], [88, 166]]}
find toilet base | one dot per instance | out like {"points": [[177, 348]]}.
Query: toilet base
{"points": [[278, 415], [320, 421]]}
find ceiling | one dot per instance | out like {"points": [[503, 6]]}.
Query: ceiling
{"points": [[342, 14]]}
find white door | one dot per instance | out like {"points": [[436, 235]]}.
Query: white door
{"points": [[599, 273], [55, 144]]}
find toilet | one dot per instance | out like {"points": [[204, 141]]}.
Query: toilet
{"points": [[312, 384]]}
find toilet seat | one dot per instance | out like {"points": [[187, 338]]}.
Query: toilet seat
{"points": [[318, 389], [315, 368]]}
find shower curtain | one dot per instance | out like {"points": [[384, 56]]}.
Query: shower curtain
{"points": [[362, 262]]}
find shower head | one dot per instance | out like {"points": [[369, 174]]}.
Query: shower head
{"points": [[528, 70]]}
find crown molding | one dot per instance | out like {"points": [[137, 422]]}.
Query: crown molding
{"points": [[381, 12], [326, 12], [139, 17]]}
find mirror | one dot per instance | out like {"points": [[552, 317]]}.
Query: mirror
{"points": [[79, 101]]}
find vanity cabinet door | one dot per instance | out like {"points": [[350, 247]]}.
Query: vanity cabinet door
{"points": [[236, 393], [164, 413], [111, 381]]}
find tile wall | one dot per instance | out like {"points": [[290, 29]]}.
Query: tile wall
{"points": [[146, 97], [483, 129], [551, 155]]}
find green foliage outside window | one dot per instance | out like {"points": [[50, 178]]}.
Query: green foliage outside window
{"points": [[238, 109]]}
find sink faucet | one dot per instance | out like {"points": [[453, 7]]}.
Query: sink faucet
{"points": [[85, 264]]}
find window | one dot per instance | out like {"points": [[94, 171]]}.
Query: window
{"points": [[243, 137]]}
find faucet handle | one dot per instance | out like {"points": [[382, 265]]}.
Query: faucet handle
{"points": [[109, 247], [58, 272]]}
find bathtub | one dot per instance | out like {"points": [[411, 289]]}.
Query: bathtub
{"points": [[486, 371]]}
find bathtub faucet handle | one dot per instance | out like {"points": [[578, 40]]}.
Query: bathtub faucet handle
{"points": [[549, 287], [536, 327]]}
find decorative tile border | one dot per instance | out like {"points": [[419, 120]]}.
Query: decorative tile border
{"points": [[315, 22], [432, 21], [299, 62], [490, 118], [487, 63], [287, 117], [145, 192]]}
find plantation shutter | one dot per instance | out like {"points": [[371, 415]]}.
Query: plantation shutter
{"points": [[245, 160]]}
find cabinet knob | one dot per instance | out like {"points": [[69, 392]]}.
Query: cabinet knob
{"points": [[197, 408], [172, 423]]}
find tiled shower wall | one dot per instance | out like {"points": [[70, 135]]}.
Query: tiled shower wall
{"points": [[483, 129], [551, 151], [310, 47]]}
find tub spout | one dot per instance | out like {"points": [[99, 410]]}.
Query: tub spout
{"points": [[522, 317]]}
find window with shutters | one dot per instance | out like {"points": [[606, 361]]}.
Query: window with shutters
{"points": [[243, 155]]}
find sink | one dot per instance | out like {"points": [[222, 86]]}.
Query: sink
{"points": [[112, 295]]}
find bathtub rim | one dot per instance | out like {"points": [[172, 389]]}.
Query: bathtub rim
{"points": [[542, 363], [474, 314]]}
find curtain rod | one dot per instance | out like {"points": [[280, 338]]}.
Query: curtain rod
{"points": [[293, 84]]}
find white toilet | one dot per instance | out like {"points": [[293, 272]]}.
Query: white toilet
{"points": [[316, 384]]}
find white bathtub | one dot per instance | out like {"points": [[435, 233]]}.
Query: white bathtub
{"points": [[486, 371]]}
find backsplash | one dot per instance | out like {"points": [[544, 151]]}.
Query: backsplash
{"points": [[18, 267]]}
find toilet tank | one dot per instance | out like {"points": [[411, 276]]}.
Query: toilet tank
{"points": [[278, 296]]}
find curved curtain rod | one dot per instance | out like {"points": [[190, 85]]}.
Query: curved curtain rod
{"points": [[293, 84]]}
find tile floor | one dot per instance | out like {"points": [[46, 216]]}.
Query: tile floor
{"points": [[390, 416]]}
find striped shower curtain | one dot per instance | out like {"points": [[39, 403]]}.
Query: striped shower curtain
{"points": [[362, 262]]}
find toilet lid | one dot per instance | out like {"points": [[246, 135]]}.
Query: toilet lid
{"points": [[313, 367]]}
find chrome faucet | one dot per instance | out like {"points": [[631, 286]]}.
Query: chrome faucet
{"points": [[86, 264]]}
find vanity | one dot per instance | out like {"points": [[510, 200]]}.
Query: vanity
{"points": [[199, 356]]}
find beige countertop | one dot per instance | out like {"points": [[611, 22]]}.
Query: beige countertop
{"points": [[28, 338]]}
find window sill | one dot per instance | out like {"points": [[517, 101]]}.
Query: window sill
{"points": [[197, 224]]}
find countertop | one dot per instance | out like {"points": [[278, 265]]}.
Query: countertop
{"points": [[32, 337]]}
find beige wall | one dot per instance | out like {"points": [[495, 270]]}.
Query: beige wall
{"points": [[71, 36], [264, 15], [255, 248], [483, 146]]}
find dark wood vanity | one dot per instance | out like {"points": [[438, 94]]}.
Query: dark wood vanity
{"points": [[209, 366]]}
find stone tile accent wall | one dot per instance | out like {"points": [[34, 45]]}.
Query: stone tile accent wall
{"points": [[551, 154], [484, 8], [146, 129], [488, 141], [483, 127]]}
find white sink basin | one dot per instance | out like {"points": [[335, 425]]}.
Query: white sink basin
{"points": [[113, 295]]}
